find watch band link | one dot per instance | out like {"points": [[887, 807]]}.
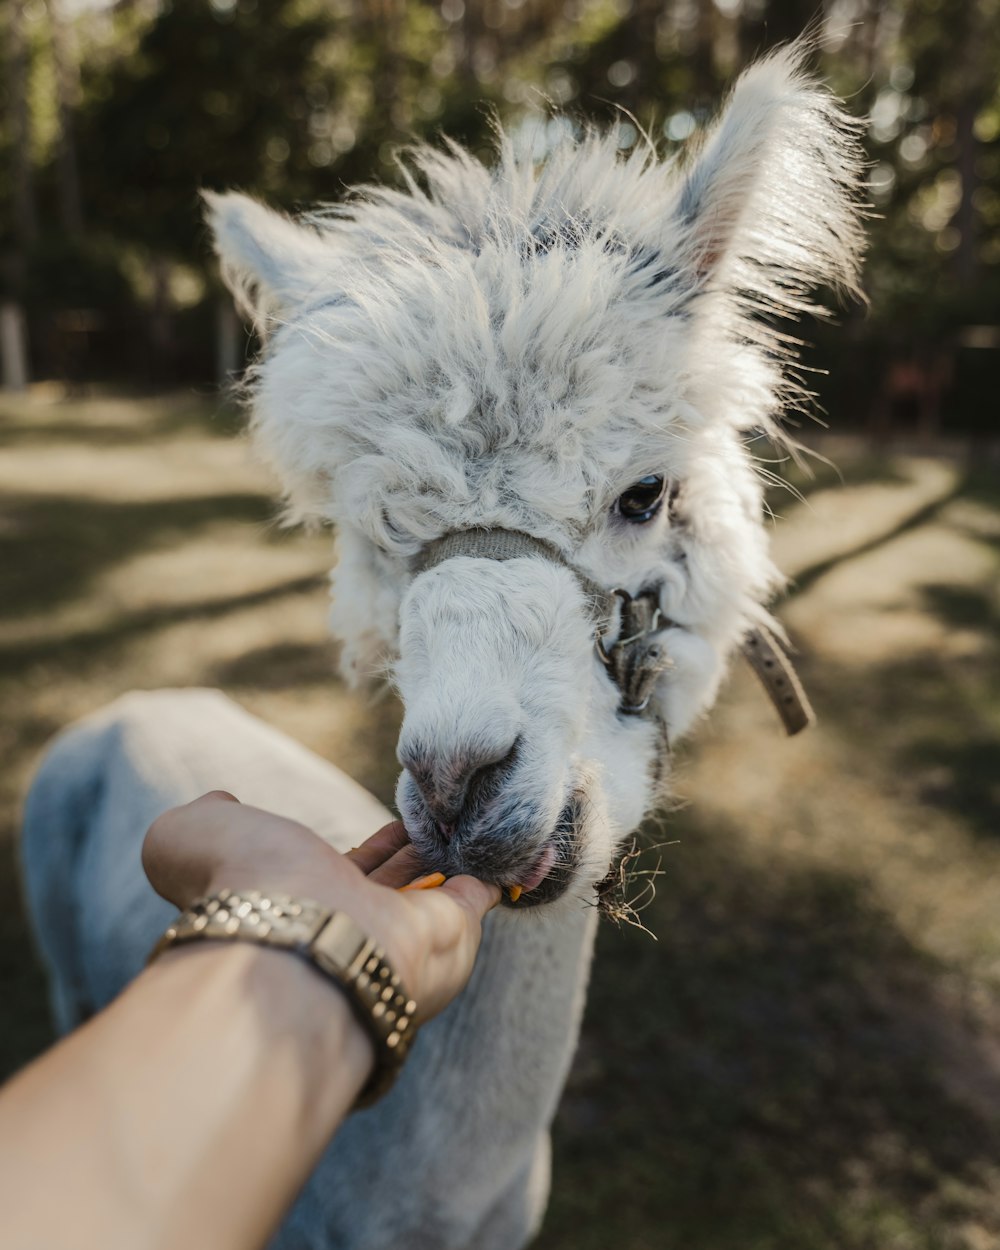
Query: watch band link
{"points": [[333, 943]]}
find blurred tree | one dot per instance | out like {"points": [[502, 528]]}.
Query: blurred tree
{"points": [[66, 81], [23, 205], [297, 99], [21, 227], [214, 94]]}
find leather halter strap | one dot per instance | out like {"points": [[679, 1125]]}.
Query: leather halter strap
{"points": [[502, 544], [768, 657], [635, 660]]}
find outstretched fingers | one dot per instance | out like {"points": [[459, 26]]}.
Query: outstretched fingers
{"points": [[400, 870], [388, 858]]}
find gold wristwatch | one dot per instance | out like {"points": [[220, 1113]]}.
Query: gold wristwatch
{"points": [[333, 944]]}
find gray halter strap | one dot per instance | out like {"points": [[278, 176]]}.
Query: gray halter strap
{"points": [[636, 659], [502, 544]]}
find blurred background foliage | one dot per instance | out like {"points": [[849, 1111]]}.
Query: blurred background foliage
{"points": [[115, 112]]}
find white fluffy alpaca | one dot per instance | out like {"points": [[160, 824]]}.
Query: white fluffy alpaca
{"points": [[574, 350]]}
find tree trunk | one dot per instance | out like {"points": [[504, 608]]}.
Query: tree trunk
{"points": [[703, 56], [972, 90], [13, 347], [966, 254], [161, 325], [14, 369]]}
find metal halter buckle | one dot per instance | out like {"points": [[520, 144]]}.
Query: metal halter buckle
{"points": [[634, 661]]}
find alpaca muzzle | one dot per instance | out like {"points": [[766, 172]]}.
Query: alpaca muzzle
{"points": [[637, 658], [634, 661]]}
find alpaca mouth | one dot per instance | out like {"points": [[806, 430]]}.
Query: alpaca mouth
{"points": [[499, 847], [549, 875]]}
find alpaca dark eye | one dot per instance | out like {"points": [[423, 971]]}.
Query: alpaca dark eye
{"points": [[642, 501]]}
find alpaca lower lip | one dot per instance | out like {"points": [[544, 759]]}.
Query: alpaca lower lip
{"points": [[551, 871], [540, 869]]}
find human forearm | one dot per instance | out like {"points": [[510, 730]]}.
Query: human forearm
{"points": [[212, 1085], [189, 1113]]}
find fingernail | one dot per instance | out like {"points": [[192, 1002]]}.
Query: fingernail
{"points": [[428, 882]]}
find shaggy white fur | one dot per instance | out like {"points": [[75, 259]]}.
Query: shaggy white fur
{"points": [[513, 347]]}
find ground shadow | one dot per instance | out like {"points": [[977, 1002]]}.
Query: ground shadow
{"points": [[930, 717], [964, 778], [963, 607], [954, 741], [52, 548], [808, 577], [978, 485], [85, 646], [800, 480], [280, 666], [767, 1073]]}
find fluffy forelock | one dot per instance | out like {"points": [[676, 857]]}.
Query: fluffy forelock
{"points": [[520, 339]]}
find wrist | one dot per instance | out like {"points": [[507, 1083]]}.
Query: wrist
{"points": [[330, 941], [298, 1009], [376, 909], [313, 1003]]}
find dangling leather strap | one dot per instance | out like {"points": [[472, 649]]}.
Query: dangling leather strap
{"points": [[770, 661]]}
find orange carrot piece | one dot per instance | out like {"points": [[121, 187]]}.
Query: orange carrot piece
{"points": [[430, 882]]}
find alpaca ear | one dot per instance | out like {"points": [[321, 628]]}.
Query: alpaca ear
{"points": [[271, 264], [769, 206]]}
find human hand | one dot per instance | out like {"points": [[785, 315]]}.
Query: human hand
{"points": [[430, 936]]}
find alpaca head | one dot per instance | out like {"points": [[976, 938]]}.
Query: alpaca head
{"points": [[577, 350]]}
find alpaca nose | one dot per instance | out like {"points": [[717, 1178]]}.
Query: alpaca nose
{"points": [[453, 784]]}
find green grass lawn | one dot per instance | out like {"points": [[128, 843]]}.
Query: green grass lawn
{"points": [[808, 1056]]}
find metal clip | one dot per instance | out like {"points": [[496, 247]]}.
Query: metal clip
{"points": [[634, 664]]}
